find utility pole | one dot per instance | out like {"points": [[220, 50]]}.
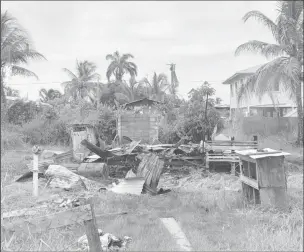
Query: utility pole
{"points": [[98, 93], [206, 107]]}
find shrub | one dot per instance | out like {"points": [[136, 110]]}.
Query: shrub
{"points": [[46, 132], [11, 137], [22, 112]]}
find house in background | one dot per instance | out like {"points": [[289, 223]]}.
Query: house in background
{"points": [[278, 106], [223, 109]]}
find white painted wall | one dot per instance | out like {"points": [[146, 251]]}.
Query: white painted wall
{"points": [[280, 97]]}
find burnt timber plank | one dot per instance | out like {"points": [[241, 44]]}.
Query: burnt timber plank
{"points": [[56, 220]]}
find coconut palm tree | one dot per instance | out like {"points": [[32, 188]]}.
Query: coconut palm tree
{"points": [[157, 87], [48, 95], [130, 92], [218, 100], [285, 68], [16, 49], [120, 65], [82, 83]]}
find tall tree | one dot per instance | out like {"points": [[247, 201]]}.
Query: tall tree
{"points": [[48, 95], [16, 49], [285, 68], [120, 65], [129, 92], [82, 83], [218, 100], [157, 87], [11, 92], [174, 81]]}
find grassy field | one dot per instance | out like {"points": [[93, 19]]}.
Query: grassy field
{"points": [[212, 220]]}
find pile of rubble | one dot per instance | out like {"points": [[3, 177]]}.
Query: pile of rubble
{"points": [[108, 242], [132, 168]]}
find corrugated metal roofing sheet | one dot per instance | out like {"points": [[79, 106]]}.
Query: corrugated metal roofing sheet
{"points": [[129, 186], [263, 154]]}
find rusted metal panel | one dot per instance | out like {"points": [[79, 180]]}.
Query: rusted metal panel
{"points": [[273, 197], [129, 186], [271, 172]]}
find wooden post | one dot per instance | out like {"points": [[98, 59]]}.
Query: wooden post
{"points": [[92, 232], [36, 150], [35, 175]]}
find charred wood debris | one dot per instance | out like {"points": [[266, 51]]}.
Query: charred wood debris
{"points": [[132, 167]]}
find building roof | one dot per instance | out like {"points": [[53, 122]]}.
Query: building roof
{"points": [[245, 72], [271, 105], [222, 106], [141, 102]]}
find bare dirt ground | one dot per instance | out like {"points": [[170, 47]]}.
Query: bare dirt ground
{"points": [[208, 208]]}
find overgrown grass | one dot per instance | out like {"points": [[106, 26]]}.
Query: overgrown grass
{"points": [[212, 220]]}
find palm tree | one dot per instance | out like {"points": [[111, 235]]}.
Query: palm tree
{"points": [[218, 100], [16, 49], [120, 65], [82, 83], [11, 92], [130, 92], [157, 86], [285, 70], [48, 95]]}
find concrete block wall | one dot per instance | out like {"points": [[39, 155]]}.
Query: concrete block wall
{"points": [[142, 127]]}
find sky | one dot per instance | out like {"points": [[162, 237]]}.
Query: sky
{"points": [[200, 37]]}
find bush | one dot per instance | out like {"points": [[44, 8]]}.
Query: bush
{"points": [[22, 112], [11, 137], [46, 132]]}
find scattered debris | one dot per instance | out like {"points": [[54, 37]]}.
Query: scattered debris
{"points": [[150, 168], [108, 242], [42, 165], [94, 169], [61, 177], [28, 176], [129, 186], [130, 174]]}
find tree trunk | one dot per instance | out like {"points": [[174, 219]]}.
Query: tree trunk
{"points": [[300, 114], [3, 98]]}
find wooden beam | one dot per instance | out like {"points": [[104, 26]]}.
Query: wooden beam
{"points": [[96, 149], [92, 231], [251, 182], [56, 220]]}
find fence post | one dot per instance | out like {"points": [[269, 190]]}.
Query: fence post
{"points": [[36, 150], [92, 231]]}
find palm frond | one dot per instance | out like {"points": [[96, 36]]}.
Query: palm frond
{"points": [[265, 49], [260, 17], [17, 70], [70, 73]]}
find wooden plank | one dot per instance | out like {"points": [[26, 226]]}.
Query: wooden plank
{"points": [[92, 231], [35, 175], [251, 182], [23, 212], [56, 220], [175, 230]]}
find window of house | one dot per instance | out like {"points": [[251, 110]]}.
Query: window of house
{"points": [[231, 89]]}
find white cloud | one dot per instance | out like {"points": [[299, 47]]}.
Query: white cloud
{"points": [[156, 29], [198, 49]]}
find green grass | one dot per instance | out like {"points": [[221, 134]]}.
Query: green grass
{"points": [[212, 220]]}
